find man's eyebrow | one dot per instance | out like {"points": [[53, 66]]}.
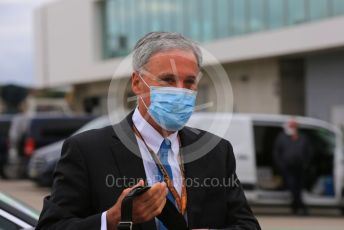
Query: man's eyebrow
{"points": [[166, 75], [171, 75]]}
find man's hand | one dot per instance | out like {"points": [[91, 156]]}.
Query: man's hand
{"points": [[145, 207]]}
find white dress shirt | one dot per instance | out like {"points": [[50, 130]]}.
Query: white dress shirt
{"points": [[153, 139]]}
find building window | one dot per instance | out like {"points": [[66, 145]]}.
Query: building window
{"points": [[256, 15], [338, 7], [125, 21], [296, 11], [223, 18], [276, 13], [208, 17], [195, 22], [318, 9], [240, 16]]}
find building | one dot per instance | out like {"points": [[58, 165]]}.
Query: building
{"points": [[282, 56]]}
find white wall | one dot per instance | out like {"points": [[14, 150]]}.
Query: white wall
{"points": [[68, 35], [255, 86], [71, 50], [324, 84]]}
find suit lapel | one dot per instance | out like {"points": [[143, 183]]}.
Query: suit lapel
{"points": [[194, 171], [128, 157], [126, 150]]}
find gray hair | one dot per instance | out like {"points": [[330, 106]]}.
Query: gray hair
{"points": [[155, 42]]}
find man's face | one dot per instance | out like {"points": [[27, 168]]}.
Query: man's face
{"points": [[173, 68], [292, 127]]}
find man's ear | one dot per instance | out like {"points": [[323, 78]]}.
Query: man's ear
{"points": [[135, 83]]}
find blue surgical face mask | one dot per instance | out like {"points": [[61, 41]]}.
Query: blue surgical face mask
{"points": [[171, 107]]}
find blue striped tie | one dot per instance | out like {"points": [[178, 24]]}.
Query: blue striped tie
{"points": [[163, 155]]}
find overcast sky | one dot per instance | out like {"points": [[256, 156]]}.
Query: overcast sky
{"points": [[16, 44]]}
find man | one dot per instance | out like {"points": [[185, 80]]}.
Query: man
{"points": [[164, 79], [292, 152]]}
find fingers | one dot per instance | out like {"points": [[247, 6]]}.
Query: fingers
{"points": [[156, 198], [140, 183], [154, 201], [146, 213], [127, 190], [150, 204], [153, 196], [114, 213], [157, 207], [157, 190]]}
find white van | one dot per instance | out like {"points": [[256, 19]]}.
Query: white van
{"points": [[253, 137]]}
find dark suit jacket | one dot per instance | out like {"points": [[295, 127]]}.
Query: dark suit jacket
{"points": [[84, 187]]}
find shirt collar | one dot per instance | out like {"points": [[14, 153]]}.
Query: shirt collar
{"points": [[152, 137]]}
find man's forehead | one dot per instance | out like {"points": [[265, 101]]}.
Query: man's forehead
{"points": [[174, 56], [181, 63], [163, 73]]}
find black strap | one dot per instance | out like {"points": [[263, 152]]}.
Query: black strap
{"points": [[170, 216], [126, 222]]}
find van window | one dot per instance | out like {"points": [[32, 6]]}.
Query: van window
{"points": [[319, 174], [267, 173], [319, 179]]}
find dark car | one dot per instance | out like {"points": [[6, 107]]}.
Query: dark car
{"points": [[15, 215], [5, 122], [43, 162], [28, 133]]}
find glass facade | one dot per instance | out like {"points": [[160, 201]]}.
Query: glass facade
{"points": [[125, 21]]}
